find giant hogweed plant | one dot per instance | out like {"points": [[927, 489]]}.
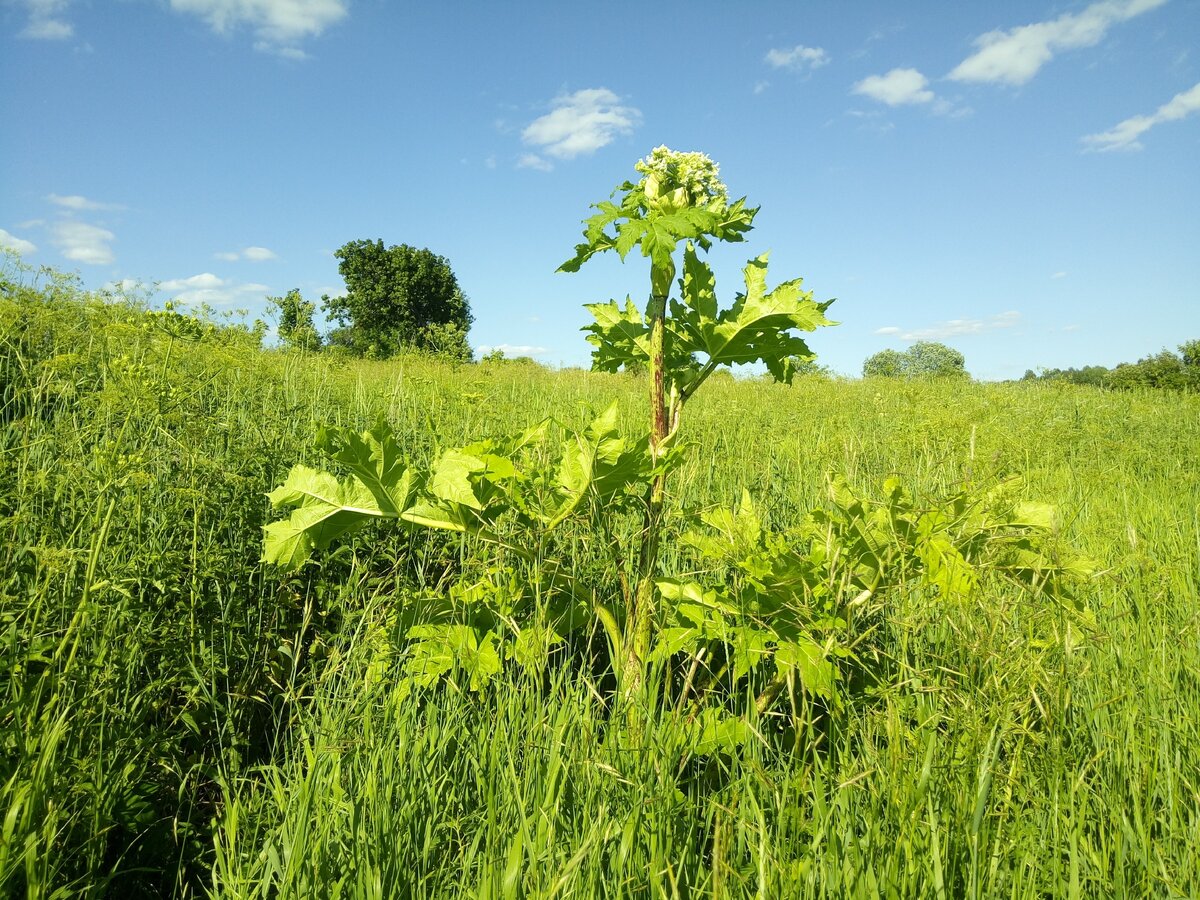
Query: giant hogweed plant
{"points": [[776, 611]]}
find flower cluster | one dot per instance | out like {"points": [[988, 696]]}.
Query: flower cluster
{"points": [[677, 179]]}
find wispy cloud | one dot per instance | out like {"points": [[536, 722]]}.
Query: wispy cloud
{"points": [[1015, 56], [898, 87], [80, 242], [79, 203], [194, 282], [581, 123], [253, 254], [513, 349], [954, 328], [20, 245], [1125, 135], [211, 289], [47, 20], [798, 58], [1057, 275], [533, 161], [278, 25]]}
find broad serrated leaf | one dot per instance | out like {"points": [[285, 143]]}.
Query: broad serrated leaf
{"points": [[755, 329], [718, 732], [451, 479], [620, 336], [375, 458], [806, 658], [439, 649], [598, 462], [325, 509]]}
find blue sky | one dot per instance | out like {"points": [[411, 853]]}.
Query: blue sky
{"points": [[1018, 180]]}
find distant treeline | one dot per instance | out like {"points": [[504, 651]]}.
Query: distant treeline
{"points": [[1173, 371]]}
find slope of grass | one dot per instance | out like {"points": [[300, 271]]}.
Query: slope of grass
{"points": [[175, 720]]}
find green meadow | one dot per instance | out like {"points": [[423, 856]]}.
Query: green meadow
{"points": [[178, 719]]}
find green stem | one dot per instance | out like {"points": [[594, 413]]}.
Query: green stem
{"points": [[640, 626]]}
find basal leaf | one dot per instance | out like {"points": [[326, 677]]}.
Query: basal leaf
{"points": [[719, 732], [807, 659], [451, 478], [325, 509], [374, 457]]}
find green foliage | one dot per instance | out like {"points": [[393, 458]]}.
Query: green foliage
{"points": [[177, 721], [884, 364], [754, 328], [924, 359], [296, 328], [1164, 370], [1190, 353], [398, 298], [784, 599], [680, 198]]}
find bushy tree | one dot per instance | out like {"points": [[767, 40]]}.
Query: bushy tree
{"points": [[933, 360], [924, 359], [296, 328], [1190, 351], [399, 298], [884, 364]]}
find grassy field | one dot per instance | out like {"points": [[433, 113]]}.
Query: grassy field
{"points": [[177, 720]]}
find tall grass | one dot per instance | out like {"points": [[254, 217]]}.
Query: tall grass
{"points": [[176, 721]]}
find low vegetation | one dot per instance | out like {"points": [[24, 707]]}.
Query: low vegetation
{"points": [[177, 720]]}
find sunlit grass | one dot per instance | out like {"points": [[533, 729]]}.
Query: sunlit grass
{"points": [[175, 720]]}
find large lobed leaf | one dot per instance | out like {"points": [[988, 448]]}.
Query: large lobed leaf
{"points": [[756, 328], [324, 510]]}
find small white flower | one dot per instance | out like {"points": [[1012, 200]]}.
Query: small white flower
{"points": [[675, 179]]}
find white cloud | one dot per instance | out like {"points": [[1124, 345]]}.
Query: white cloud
{"points": [[1124, 135], [888, 329], [20, 245], [277, 24], [78, 203], [46, 21], [760, 86], [208, 288], [205, 280], [898, 87], [533, 161], [253, 254], [798, 58], [1059, 275], [84, 243], [581, 123], [513, 349], [957, 327], [1015, 56]]}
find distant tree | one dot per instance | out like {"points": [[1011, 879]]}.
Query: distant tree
{"points": [[924, 359], [934, 360], [296, 328], [1162, 370], [399, 298], [1190, 351], [884, 364], [808, 366]]}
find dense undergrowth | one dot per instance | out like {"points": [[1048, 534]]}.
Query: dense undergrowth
{"points": [[176, 720]]}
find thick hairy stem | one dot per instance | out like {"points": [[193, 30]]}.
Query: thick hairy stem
{"points": [[639, 630]]}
